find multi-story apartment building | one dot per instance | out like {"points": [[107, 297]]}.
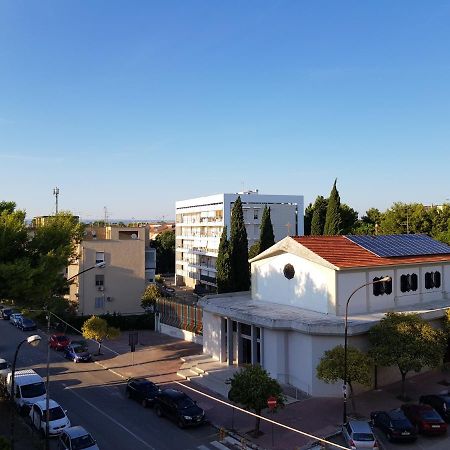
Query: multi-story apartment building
{"points": [[129, 265], [200, 222]]}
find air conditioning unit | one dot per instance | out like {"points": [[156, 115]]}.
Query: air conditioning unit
{"points": [[100, 288]]}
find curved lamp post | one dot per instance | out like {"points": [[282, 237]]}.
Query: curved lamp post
{"points": [[33, 341], [344, 387]]}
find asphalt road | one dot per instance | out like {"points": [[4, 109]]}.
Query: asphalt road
{"points": [[95, 398]]}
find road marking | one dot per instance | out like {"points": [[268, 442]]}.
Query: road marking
{"points": [[107, 416], [219, 445]]}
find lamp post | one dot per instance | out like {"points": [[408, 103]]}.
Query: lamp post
{"points": [[99, 265], [33, 341], [344, 387]]}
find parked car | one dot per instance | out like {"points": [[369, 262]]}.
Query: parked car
{"points": [[59, 341], [359, 435], [58, 419], [142, 390], [26, 324], [76, 438], [395, 425], [425, 418], [77, 352], [6, 313], [441, 403], [179, 407], [14, 318]]}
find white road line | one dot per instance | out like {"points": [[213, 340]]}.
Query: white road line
{"points": [[219, 445], [108, 416]]}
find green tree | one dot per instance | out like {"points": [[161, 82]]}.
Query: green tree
{"points": [[98, 329], [307, 219], [251, 386], [266, 237], [165, 251], [407, 341], [240, 271], [151, 294], [333, 216], [253, 250], [359, 367], [4, 443], [318, 216], [223, 264], [349, 219]]}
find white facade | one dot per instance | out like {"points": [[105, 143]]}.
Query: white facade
{"points": [[293, 321], [200, 222]]}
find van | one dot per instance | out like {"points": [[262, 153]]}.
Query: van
{"points": [[29, 388]]}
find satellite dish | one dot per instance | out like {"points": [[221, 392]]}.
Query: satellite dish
{"points": [[134, 236]]}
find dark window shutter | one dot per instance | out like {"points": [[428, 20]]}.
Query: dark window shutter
{"points": [[437, 279], [388, 287], [376, 287], [403, 283], [428, 280], [414, 282]]}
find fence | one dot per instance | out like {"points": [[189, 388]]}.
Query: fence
{"points": [[180, 315]]}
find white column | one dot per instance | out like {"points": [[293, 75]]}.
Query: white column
{"points": [[229, 342], [254, 345], [239, 343], [223, 340]]}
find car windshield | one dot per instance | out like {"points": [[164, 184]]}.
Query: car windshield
{"points": [[401, 423], [430, 414], [79, 349], [185, 402], [363, 437], [3, 365], [27, 321], [56, 413], [7, 311], [81, 442], [33, 390]]}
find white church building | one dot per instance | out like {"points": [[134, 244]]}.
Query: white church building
{"points": [[295, 310]]}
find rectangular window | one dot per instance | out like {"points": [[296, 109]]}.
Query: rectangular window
{"points": [[382, 288], [99, 257], [432, 280], [99, 302], [99, 280], [256, 214], [408, 282]]}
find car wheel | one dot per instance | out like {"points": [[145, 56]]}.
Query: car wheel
{"points": [[144, 403], [180, 423], [158, 411]]}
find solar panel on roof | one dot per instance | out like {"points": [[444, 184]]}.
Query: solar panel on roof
{"points": [[401, 245]]}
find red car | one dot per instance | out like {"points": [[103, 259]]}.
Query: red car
{"points": [[425, 418], [59, 341]]}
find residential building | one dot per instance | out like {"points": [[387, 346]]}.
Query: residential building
{"points": [[129, 265], [200, 222], [300, 287]]}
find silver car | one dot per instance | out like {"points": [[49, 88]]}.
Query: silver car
{"points": [[75, 438], [359, 435], [15, 318]]}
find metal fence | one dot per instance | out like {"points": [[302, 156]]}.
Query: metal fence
{"points": [[180, 315]]}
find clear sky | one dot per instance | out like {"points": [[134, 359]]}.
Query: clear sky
{"points": [[133, 105]]}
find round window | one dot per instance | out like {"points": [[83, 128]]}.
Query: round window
{"points": [[289, 271]]}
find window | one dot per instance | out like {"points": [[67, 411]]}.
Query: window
{"points": [[432, 280], [256, 214], [382, 288], [99, 257], [289, 271], [99, 302], [408, 282], [99, 280]]}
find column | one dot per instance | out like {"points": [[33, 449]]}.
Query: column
{"points": [[254, 345], [229, 342], [223, 340], [239, 343]]}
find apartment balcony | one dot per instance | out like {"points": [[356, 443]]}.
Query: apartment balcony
{"points": [[201, 266]]}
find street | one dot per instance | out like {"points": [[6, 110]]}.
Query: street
{"points": [[95, 398]]}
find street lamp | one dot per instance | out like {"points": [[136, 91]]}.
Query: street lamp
{"points": [[344, 387], [33, 341], [99, 265]]}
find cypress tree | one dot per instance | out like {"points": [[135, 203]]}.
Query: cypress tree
{"points": [[266, 237], [240, 271], [223, 265], [333, 218], [319, 215]]}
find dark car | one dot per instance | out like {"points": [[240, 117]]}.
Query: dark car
{"points": [[59, 341], [441, 403], [77, 352], [425, 418], [142, 390], [26, 324], [179, 407], [395, 425], [6, 313]]}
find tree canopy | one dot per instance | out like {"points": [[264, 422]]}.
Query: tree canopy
{"points": [[151, 294], [223, 264], [333, 222], [98, 329], [266, 237], [165, 251]]}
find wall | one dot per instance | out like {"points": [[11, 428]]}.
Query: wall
{"points": [[311, 288], [212, 338], [181, 334]]}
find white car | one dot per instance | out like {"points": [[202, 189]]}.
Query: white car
{"points": [[76, 438], [14, 319], [58, 420]]}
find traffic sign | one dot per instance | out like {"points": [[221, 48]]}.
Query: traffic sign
{"points": [[272, 402]]}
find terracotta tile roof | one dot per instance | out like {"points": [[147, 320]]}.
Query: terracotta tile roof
{"points": [[345, 254]]}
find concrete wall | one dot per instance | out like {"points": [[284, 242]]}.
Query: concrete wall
{"points": [[312, 287], [181, 334], [212, 334]]}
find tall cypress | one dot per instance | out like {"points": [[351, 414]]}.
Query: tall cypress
{"points": [[333, 218], [240, 271], [319, 215], [223, 264], [266, 237]]}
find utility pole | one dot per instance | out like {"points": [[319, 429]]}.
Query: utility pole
{"points": [[56, 193]]}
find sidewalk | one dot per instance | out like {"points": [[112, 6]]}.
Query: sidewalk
{"points": [[158, 358]]}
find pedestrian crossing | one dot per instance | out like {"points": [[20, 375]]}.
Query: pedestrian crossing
{"points": [[229, 443]]}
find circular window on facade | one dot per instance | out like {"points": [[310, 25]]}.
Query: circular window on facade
{"points": [[289, 271]]}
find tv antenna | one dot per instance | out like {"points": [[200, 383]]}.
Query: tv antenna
{"points": [[56, 193]]}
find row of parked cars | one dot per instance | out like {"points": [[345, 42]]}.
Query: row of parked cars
{"points": [[170, 403], [18, 320], [430, 417]]}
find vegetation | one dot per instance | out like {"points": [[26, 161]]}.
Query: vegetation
{"points": [[240, 270], [223, 264], [359, 367], [407, 341], [165, 251], [151, 294], [251, 387], [253, 250], [98, 329], [266, 237], [333, 218], [319, 213]]}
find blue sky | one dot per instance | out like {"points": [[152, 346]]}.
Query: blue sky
{"points": [[133, 105]]}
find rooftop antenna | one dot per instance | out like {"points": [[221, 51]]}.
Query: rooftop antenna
{"points": [[56, 193]]}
